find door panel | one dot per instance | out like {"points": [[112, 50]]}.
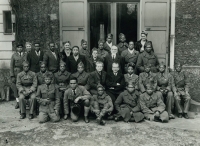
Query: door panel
{"points": [[73, 21], [155, 20]]}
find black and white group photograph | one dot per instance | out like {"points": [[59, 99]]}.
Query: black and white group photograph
{"points": [[100, 72]]}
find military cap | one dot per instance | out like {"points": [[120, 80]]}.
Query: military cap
{"points": [[42, 63], [144, 32], [48, 75], [110, 35], [19, 44], [101, 41], [62, 63], [131, 64], [76, 109], [148, 43], [25, 63], [80, 64], [121, 35], [100, 86], [83, 41], [162, 64]]}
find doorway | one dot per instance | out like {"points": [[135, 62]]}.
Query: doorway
{"points": [[115, 18]]}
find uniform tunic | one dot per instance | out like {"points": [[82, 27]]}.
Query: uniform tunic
{"points": [[132, 78], [82, 78], [181, 81], [102, 53], [126, 103], [47, 109], [122, 46], [146, 58], [40, 77], [101, 105], [62, 79], [150, 104]]}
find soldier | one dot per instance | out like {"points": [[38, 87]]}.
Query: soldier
{"points": [[40, 75], [130, 55], [113, 57], [26, 85], [84, 50], [152, 105], [148, 56], [51, 58], [108, 44], [48, 97], [97, 77], [34, 57], [147, 77], [115, 82], [181, 90], [82, 76], [165, 84], [74, 98], [92, 60], [74, 59], [130, 76], [122, 45], [101, 104], [101, 52], [127, 105], [16, 67], [62, 80]]}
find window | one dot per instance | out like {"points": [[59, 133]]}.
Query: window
{"points": [[7, 22]]}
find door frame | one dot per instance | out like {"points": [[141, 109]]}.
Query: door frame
{"points": [[114, 18]]}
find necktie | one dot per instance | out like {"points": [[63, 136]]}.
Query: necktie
{"points": [[74, 91], [113, 57]]}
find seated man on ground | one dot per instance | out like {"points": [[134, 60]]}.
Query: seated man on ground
{"points": [[49, 100], [127, 105], [97, 77], [76, 97], [181, 81], [26, 85], [152, 106], [101, 104]]}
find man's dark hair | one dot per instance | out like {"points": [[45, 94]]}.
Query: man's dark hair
{"points": [[75, 47], [73, 78]]}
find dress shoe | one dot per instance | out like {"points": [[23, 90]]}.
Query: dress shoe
{"points": [[30, 116], [185, 115], [22, 116], [65, 117], [86, 119], [102, 122], [171, 116], [17, 105], [111, 117], [180, 115], [119, 118]]}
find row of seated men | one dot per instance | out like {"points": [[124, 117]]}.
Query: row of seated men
{"points": [[113, 94]]}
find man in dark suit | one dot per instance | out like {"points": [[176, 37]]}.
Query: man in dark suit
{"points": [[115, 82], [114, 57], [52, 59], [35, 57], [74, 60], [108, 44], [97, 77]]}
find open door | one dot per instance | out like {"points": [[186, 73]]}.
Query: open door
{"points": [[73, 21], [155, 20]]}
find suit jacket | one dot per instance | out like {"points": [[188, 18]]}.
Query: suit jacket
{"points": [[108, 63], [35, 60], [51, 62], [72, 63], [106, 47], [138, 46], [95, 78], [91, 66], [112, 80], [63, 56]]}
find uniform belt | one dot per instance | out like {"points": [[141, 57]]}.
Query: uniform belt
{"points": [[51, 99]]}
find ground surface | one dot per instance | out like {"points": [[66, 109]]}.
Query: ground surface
{"points": [[16, 132]]}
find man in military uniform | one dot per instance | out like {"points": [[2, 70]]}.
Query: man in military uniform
{"points": [[123, 44], [152, 106], [108, 44], [26, 85], [165, 84], [127, 105], [76, 97], [130, 55], [147, 77], [181, 90], [40, 75], [97, 77], [16, 67], [62, 80], [48, 97], [101, 52], [148, 56], [82, 76], [101, 104]]}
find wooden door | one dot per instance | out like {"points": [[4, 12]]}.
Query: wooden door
{"points": [[73, 21], [155, 20]]}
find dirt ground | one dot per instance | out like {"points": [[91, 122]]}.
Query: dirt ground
{"points": [[16, 132]]}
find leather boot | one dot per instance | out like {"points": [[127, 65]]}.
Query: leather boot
{"points": [[86, 111], [22, 116]]}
